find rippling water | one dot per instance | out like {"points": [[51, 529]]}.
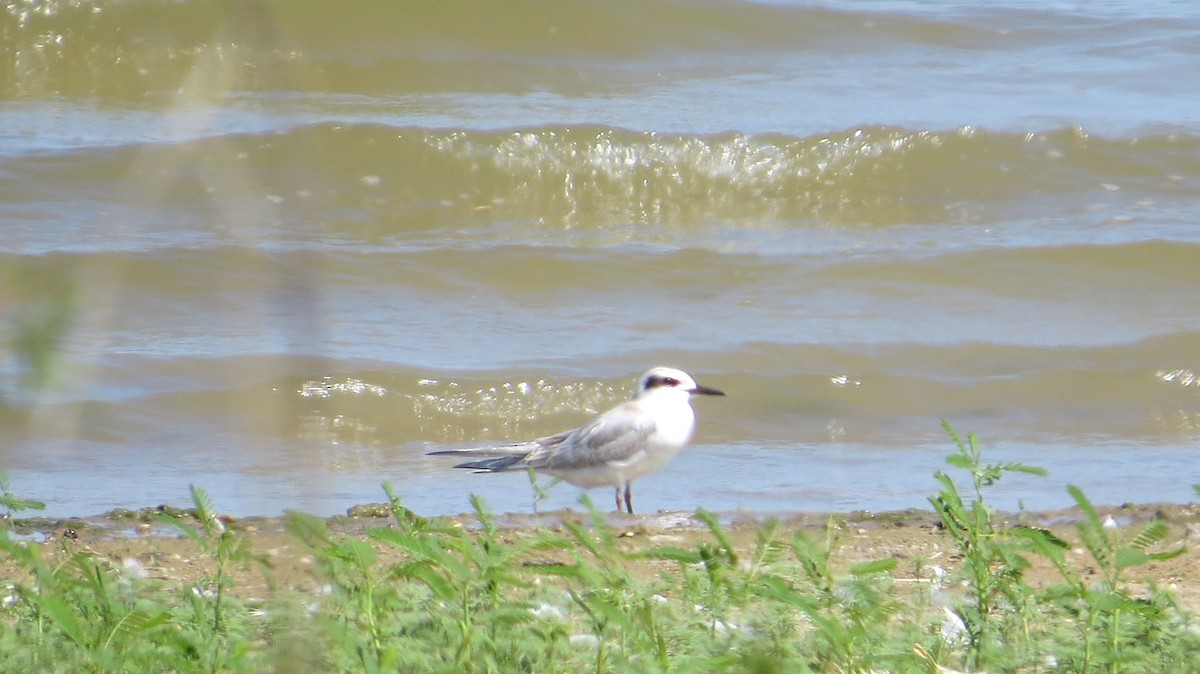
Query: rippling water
{"points": [[282, 249]]}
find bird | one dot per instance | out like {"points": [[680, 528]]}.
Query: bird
{"points": [[613, 449]]}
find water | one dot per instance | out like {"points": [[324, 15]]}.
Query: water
{"points": [[281, 250]]}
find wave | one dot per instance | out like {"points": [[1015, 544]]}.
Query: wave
{"points": [[882, 393], [380, 184], [146, 49], [142, 51]]}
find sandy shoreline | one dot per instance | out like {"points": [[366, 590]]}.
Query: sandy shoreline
{"points": [[146, 521], [140, 543]]}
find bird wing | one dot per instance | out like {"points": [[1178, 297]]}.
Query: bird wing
{"points": [[519, 449], [616, 435], [493, 464]]}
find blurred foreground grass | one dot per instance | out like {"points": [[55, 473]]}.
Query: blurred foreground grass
{"points": [[429, 595]]}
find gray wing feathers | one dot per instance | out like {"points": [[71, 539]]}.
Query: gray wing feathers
{"points": [[494, 465], [501, 457], [517, 449], [613, 436]]}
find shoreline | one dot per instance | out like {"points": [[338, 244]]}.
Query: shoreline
{"points": [[140, 545], [148, 520]]}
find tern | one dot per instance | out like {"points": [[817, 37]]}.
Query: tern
{"points": [[616, 447]]}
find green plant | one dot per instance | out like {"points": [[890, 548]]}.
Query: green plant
{"points": [[993, 557], [223, 546], [540, 493], [470, 572], [85, 613], [600, 584], [357, 615], [1111, 622], [12, 504], [79, 616], [847, 613], [594, 594], [209, 632]]}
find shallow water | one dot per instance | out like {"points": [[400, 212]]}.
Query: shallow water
{"points": [[281, 251]]}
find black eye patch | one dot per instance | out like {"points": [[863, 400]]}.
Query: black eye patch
{"points": [[657, 381]]}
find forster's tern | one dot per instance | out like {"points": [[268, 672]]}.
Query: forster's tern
{"points": [[616, 447]]}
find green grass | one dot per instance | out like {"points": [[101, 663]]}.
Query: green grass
{"points": [[427, 595]]}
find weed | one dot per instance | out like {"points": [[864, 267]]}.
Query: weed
{"points": [[12, 504], [1109, 620], [996, 615], [209, 629], [438, 595]]}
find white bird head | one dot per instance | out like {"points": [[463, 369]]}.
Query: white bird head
{"points": [[660, 380]]}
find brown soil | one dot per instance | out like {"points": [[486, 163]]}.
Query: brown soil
{"points": [[142, 546]]}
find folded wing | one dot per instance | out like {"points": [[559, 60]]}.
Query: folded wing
{"points": [[615, 436]]}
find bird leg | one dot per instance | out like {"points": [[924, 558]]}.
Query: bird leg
{"points": [[628, 507]]}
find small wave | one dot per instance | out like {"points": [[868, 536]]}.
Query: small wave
{"points": [[143, 51], [378, 186]]}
